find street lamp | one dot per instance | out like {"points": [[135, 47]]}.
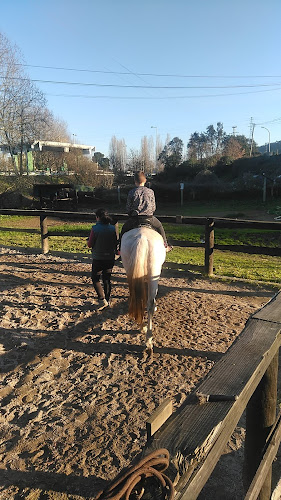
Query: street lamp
{"points": [[73, 135], [155, 148], [268, 140]]}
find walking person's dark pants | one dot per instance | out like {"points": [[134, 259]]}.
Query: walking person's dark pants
{"points": [[102, 269]]}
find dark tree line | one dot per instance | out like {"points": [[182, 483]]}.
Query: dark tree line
{"points": [[206, 148]]}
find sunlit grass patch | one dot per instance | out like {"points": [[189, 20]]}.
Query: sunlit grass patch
{"points": [[70, 244], [254, 267], [20, 239], [232, 264]]}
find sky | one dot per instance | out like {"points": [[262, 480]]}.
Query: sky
{"points": [[135, 68]]}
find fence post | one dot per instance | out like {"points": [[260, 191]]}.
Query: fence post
{"points": [[260, 417], [178, 219], [44, 234], [117, 230], [209, 247], [264, 189]]}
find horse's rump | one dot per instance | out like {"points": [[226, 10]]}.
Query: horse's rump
{"points": [[143, 254]]}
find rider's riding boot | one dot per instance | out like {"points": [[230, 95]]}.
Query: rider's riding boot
{"points": [[168, 247]]}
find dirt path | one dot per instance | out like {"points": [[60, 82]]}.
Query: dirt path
{"points": [[75, 391]]}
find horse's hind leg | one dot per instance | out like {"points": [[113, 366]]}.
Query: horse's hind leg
{"points": [[151, 306], [149, 337]]}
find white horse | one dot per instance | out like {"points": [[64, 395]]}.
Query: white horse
{"points": [[143, 254]]}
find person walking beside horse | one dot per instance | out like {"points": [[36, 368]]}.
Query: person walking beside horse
{"points": [[103, 242]]}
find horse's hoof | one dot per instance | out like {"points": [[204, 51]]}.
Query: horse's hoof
{"points": [[148, 353]]}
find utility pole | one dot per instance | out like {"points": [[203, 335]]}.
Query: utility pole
{"points": [[252, 135], [268, 139], [233, 130]]}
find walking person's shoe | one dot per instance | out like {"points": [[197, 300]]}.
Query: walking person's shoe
{"points": [[102, 304]]}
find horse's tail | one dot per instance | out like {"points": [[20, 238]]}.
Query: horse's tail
{"points": [[137, 280]]}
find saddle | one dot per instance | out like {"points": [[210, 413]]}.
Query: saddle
{"points": [[143, 223]]}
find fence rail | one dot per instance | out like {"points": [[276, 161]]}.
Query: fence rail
{"points": [[209, 223]]}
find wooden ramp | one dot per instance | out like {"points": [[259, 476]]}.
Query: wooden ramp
{"points": [[196, 434]]}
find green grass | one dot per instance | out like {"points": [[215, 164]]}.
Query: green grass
{"points": [[20, 239], [231, 264], [228, 208], [228, 264], [249, 237]]}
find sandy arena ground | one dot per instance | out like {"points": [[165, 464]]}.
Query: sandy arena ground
{"points": [[75, 389]]}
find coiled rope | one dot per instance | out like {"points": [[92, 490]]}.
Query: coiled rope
{"points": [[132, 481]]}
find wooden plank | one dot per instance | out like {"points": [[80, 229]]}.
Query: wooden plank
{"points": [[219, 222], [260, 417], [195, 435], [254, 224], [268, 457], [209, 247], [44, 234], [274, 251], [158, 417], [271, 311]]}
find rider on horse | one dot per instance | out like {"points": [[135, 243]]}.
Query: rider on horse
{"points": [[141, 207]]}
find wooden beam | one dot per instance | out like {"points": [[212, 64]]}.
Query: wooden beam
{"points": [[272, 446], [196, 435], [200, 221], [158, 417], [260, 417], [209, 247], [44, 234]]}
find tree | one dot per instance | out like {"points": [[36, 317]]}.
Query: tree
{"points": [[172, 154], [22, 105], [220, 136], [211, 139], [134, 160], [146, 155], [196, 147], [118, 154], [52, 128], [101, 160], [207, 146], [233, 149], [245, 143]]}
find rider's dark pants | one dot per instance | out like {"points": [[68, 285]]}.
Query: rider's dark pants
{"points": [[102, 268], [133, 222]]}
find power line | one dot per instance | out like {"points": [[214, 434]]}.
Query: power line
{"points": [[270, 121], [164, 87], [145, 74], [159, 98]]}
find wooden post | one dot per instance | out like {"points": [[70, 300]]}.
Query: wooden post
{"points": [[44, 234], [117, 229], [260, 417], [209, 247], [264, 190], [181, 191]]}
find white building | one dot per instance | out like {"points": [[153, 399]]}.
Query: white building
{"points": [[63, 147]]}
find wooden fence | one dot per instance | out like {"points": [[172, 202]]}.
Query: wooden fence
{"points": [[245, 377], [208, 223]]}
